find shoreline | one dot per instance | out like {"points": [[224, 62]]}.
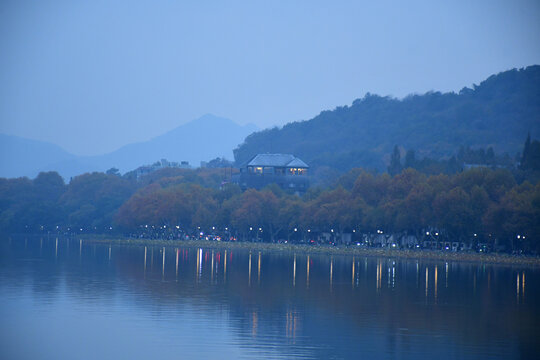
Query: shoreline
{"points": [[492, 258]]}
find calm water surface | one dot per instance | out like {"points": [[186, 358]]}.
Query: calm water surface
{"points": [[66, 299]]}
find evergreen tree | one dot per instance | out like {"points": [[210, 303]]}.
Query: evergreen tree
{"points": [[526, 153], [410, 159], [395, 162]]}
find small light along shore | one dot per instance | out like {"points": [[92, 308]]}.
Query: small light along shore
{"points": [[471, 257]]}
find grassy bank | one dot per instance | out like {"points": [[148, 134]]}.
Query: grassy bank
{"points": [[331, 250]]}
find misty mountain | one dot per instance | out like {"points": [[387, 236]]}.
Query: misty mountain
{"points": [[22, 157], [199, 140], [497, 113]]}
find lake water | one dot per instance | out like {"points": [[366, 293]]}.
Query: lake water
{"points": [[66, 299]]}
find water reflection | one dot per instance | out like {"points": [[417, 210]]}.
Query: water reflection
{"points": [[446, 269], [145, 250], [517, 283], [427, 281], [259, 269], [523, 284], [353, 272], [436, 278], [331, 271], [176, 265], [379, 274], [249, 271], [294, 271], [291, 326], [339, 320], [307, 272], [212, 269], [199, 264], [225, 267], [163, 266]]}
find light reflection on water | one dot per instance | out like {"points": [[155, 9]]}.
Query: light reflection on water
{"points": [[101, 301]]}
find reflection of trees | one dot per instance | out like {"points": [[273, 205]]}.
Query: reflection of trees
{"points": [[466, 304], [461, 306]]}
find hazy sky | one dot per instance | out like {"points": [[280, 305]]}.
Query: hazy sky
{"points": [[92, 76]]}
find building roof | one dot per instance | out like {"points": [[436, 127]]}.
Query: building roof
{"points": [[277, 160]]}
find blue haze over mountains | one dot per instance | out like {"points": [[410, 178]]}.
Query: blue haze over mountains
{"points": [[199, 140], [497, 113]]}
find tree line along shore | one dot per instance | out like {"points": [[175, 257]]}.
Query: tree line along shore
{"points": [[477, 207]]}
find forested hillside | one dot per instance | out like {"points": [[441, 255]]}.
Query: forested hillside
{"points": [[498, 113]]}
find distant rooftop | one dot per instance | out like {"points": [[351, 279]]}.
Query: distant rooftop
{"points": [[277, 160]]}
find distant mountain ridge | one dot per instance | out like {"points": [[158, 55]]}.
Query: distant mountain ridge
{"points": [[498, 113], [22, 157], [199, 140]]}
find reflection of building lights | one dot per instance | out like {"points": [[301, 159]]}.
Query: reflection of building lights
{"points": [[199, 264], [249, 270], [295, 229], [436, 278], [250, 228], [307, 272], [379, 274], [427, 277], [331, 270], [353, 272], [259, 269], [163, 268], [294, 271]]}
